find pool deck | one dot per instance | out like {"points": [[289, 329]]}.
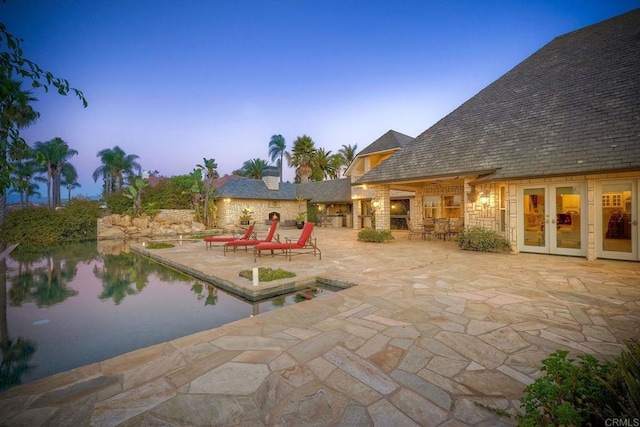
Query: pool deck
{"points": [[429, 332]]}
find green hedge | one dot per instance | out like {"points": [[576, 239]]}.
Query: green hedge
{"points": [[43, 226]]}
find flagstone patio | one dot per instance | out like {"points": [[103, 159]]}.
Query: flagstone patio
{"points": [[428, 332]]}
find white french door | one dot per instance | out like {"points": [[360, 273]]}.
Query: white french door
{"points": [[616, 206], [552, 218]]}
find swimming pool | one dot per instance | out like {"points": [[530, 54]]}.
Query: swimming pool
{"points": [[75, 306]]}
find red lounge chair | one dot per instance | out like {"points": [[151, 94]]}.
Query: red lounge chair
{"points": [[252, 242], [208, 241], [304, 245]]}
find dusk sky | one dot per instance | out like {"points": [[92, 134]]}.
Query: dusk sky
{"points": [[176, 81]]}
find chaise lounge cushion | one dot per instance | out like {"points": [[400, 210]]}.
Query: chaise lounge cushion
{"points": [[304, 243], [225, 239], [251, 242]]}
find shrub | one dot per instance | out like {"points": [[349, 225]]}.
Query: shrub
{"points": [[170, 193], [160, 245], [267, 274], [586, 393], [481, 239], [376, 236]]}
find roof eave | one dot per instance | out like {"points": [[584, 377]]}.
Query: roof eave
{"points": [[453, 175]]}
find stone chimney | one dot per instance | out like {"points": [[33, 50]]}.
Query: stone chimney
{"points": [[271, 177]]}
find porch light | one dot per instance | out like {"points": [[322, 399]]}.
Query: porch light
{"points": [[484, 199], [227, 200]]}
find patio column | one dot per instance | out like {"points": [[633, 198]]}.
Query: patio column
{"points": [[417, 210], [382, 205], [356, 211]]}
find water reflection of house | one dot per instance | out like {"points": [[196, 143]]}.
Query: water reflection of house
{"points": [[548, 155]]}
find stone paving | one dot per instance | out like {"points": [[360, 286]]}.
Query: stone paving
{"points": [[428, 333]]}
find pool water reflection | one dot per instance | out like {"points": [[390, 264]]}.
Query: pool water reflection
{"points": [[75, 306]]}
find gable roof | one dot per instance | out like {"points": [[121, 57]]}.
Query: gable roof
{"points": [[330, 191], [571, 107], [240, 187], [389, 141]]}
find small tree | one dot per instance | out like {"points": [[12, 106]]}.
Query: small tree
{"points": [[209, 210], [135, 194]]}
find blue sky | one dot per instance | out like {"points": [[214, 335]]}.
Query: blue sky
{"points": [[176, 81]]}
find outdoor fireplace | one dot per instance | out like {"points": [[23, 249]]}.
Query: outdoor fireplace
{"points": [[273, 216]]}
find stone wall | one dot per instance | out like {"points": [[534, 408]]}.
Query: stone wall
{"points": [[229, 210], [168, 222]]}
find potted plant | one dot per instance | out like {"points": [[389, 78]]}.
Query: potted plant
{"points": [[300, 218], [245, 216]]}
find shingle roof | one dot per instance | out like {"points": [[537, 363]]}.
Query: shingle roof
{"points": [[330, 191], [388, 141], [245, 188], [571, 107]]}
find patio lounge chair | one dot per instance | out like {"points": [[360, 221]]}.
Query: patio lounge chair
{"points": [[252, 241], [304, 245], [208, 241]]}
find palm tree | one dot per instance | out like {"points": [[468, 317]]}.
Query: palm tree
{"points": [[335, 166], [15, 113], [55, 154], [324, 165], [277, 151], [24, 169], [347, 154], [301, 158], [252, 168], [116, 165], [69, 179]]}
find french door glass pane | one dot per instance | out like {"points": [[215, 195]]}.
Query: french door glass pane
{"points": [[534, 211], [432, 206], [616, 217], [568, 216]]}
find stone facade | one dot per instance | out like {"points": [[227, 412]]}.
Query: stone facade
{"points": [[230, 210]]}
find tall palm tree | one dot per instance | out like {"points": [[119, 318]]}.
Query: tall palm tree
{"points": [[15, 113], [55, 154], [323, 165], [69, 179], [347, 154], [277, 151], [116, 165], [335, 166], [301, 158], [253, 168]]}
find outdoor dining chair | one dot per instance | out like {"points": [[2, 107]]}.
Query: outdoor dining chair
{"points": [[441, 228], [414, 231]]}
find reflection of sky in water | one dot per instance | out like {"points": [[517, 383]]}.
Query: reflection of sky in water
{"points": [[84, 329]]}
